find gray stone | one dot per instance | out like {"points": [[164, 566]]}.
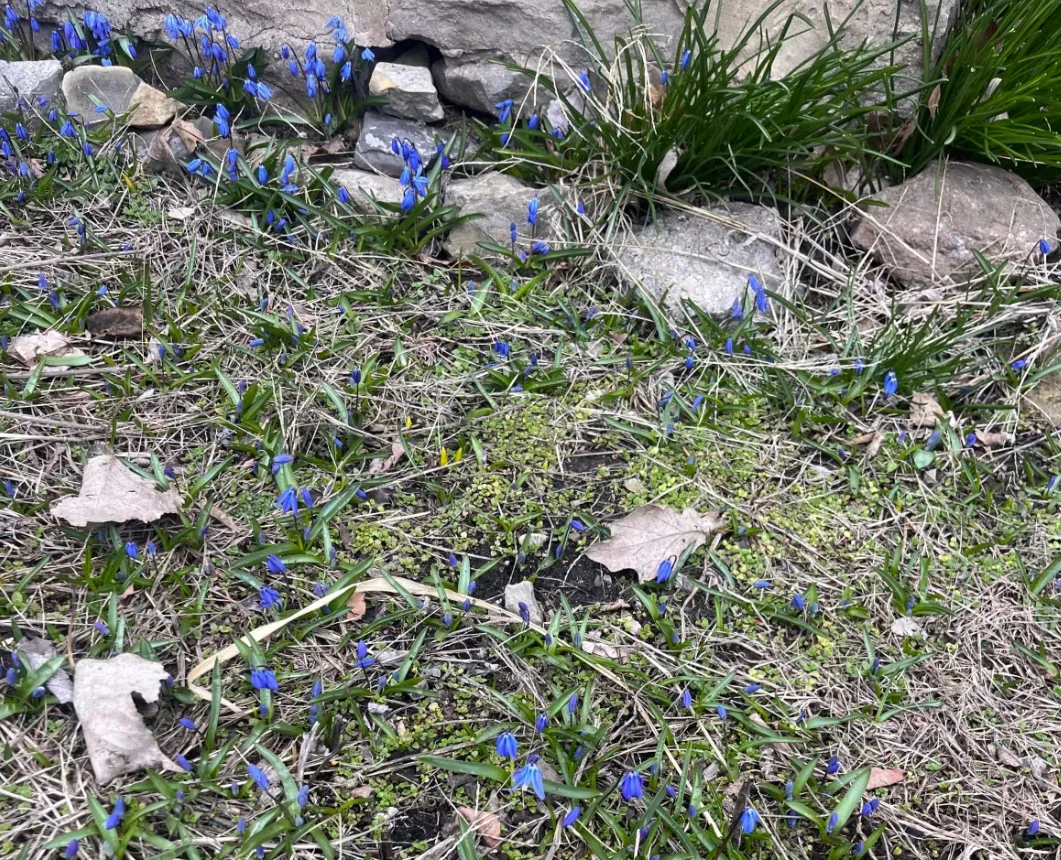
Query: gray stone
{"points": [[373, 150], [478, 85], [409, 91], [523, 592], [933, 224], [29, 80], [1046, 397], [111, 86], [707, 260], [364, 187], [501, 201]]}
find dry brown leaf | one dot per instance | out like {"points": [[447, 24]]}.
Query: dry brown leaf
{"points": [[111, 492], [924, 410], [1005, 755], [906, 626], [381, 465], [117, 740], [127, 321], [486, 824], [362, 792], [881, 777], [902, 136], [37, 652], [874, 445], [335, 146], [190, 136], [933, 101], [598, 647], [994, 440], [27, 348], [357, 606], [649, 535]]}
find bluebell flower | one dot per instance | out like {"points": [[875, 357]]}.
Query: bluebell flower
{"points": [[970, 439], [584, 82], [664, 78], [506, 745], [541, 723], [368, 56], [1044, 247], [131, 550], [279, 461], [363, 660], [729, 346], [671, 791], [834, 819], [307, 498], [11, 677], [303, 796], [752, 688], [115, 818], [1019, 364], [258, 776], [790, 788], [71, 849], [933, 440], [420, 184], [288, 501], [664, 571], [524, 612], [749, 820], [631, 786], [532, 211], [529, 776], [723, 714], [572, 816], [1033, 828], [187, 723], [685, 60], [539, 247], [268, 598], [311, 86], [572, 703], [891, 383], [262, 678], [698, 401], [221, 120], [686, 699], [689, 363], [408, 200], [832, 766], [504, 110], [101, 628], [513, 234], [185, 765], [870, 806]]}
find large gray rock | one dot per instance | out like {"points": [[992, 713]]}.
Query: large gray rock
{"points": [[501, 201], [408, 89], [364, 187], [478, 84], [29, 80], [707, 260], [373, 150], [111, 86], [932, 225]]}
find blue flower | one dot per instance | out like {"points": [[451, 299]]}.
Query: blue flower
{"points": [[11, 677], [263, 678], [268, 598], [870, 806], [363, 660], [572, 816], [685, 60], [539, 247], [221, 120], [1019, 364], [183, 762], [798, 603], [529, 776], [368, 56], [752, 688], [101, 628], [506, 745], [631, 785], [532, 211], [832, 766], [584, 83], [504, 110], [131, 550], [663, 573], [71, 849], [115, 818], [729, 346], [524, 612], [1033, 828], [288, 501], [723, 714], [686, 699], [891, 383], [933, 440], [512, 232], [749, 819], [834, 819], [698, 401], [307, 498], [303, 796], [258, 776], [1044, 247], [541, 723], [187, 723], [572, 703], [408, 200], [241, 826]]}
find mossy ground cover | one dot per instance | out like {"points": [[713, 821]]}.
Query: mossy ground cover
{"points": [[457, 423]]}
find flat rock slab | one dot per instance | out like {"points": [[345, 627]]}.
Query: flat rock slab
{"points": [[364, 187], [933, 224], [479, 85], [501, 201], [111, 86], [409, 90], [707, 262], [523, 592], [152, 108], [30, 80], [373, 150]]}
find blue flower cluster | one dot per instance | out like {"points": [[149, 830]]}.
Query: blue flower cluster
{"points": [[208, 45]]}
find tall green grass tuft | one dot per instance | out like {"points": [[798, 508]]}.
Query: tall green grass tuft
{"points": [[999, 93], [734, 118]]}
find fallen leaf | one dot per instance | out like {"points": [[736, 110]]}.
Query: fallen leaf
{"points": [[880, 777], [154, 347], [27, 348], [126, 321], [906, 626], [902, 135], [381, 465], [599, 648], [391, 657], [361, 792], [356, 605], [1039, 767], [180, 213], [924, 410], [189, 135], [874, 445], [486, 824], [111, 492], [666, 167], [994, 440], [37, 652], [335, 146], [117, 740], [1005, 756], [228, 521], [933, 100], [650, 534]]}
